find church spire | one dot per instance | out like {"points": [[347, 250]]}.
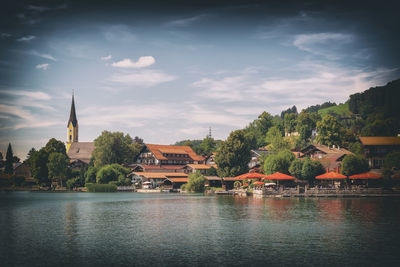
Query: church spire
{"points": [[72, 114]]}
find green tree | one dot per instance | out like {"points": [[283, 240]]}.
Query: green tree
{"points": [[311, 168], [296, 168], [256, 131], [38, 165], [211, 171], [275, 140], [290, 122], [196, 183], [91, 174], [1, 160], [356, 148], [9, 161], [57, 167], [111, 172], [115, 147], [354, 164], [306, 122], [208, 145], [54, 145], [279, 162], [330, 131], [233, 155], [392, 160]]}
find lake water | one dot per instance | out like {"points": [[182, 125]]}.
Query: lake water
{"points": [[110, 229]]}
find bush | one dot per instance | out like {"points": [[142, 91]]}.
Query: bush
{"points": [[101, 187], [91, 174], [354, 164], [112, 172], [311, 168], [196, 183]]}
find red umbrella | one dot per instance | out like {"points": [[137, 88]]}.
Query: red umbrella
{"points": [[245, 184], [253, 175], [258, 183], [331, 175], [278, 176], [366, 175]]}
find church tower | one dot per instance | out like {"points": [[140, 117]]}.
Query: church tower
{"points": [[72, 126]]}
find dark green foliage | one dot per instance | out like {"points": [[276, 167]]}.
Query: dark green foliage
{"points": [[233, 155], [311, 168], [392, 160], [91, 174], [315, 108], [290, 122], [306, 122], [256, 131], [276, 142], [211, 172], [296, 168], [330, 131], [101, 187], [196, 183], [54, 145], [38, 164], [279, 162], [356, 148], [115, 147], [292, 110], [354, 164], [57, 166], [112, 172], [9, 161]]}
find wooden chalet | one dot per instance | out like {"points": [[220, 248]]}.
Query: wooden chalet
{"points": [[376, 149], [213, 181], [255, 154], [158, 179], [202, 168], [156, 168], [330, 157], [168, 155]]}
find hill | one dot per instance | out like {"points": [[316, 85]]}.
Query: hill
{"points": [[341, 110]]}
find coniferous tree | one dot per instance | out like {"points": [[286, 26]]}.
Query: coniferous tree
{"points": [[9, 160]]}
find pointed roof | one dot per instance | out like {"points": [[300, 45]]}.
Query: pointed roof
{"points": [[250, 175], [72, 114]]}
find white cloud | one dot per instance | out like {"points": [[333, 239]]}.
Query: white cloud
{"points": [[318, 84], [26, 38], [328, 45], [37, 95], [141, 63], [36, 53], [106, 57], [28, 120], [186, 21], [43, 66], [145, 78]]}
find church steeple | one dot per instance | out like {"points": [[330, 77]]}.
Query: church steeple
{"points": [[72, 114], [72, 126]]}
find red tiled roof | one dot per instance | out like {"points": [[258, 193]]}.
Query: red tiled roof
{"points": [[178, 180], [366, 175], [331, 175], [380, 140], [157, 150], [278, 176]]}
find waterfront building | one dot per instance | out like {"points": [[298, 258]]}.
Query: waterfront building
{"points": [[202, 168], [376, 149], [330, 157], [158, 179], [255, 154], [152, 154]]}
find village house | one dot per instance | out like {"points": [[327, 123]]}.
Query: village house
{"points": [[330, 157], [376, 149], [202, 168], [255, 154], [157, 179]]}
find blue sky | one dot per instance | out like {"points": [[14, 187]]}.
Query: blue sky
{"points": [[168, 70]]}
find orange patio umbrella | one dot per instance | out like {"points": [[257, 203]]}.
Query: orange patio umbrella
{"points": [[258, 183], [330, 175], [245, 184], [250, 175], [366, 175], [278, 176]]}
